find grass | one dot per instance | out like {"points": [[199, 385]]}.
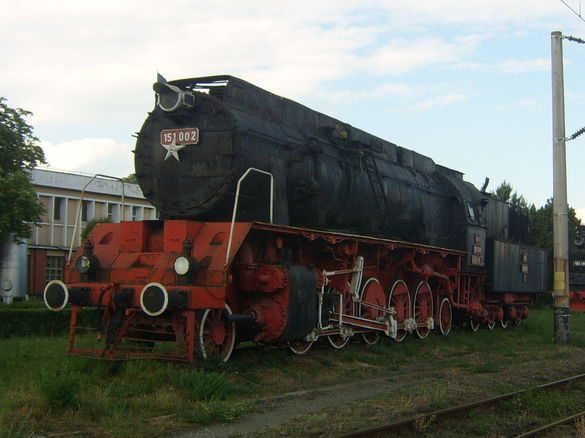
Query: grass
{"points": [[52, 392]]}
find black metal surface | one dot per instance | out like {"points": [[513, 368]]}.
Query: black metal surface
{"points": [[79, 296], [515, 267], [577, 260], [56, 296], [303, 305], [153, 299], [327, 174]]}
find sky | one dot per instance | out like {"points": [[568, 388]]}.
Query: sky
{"points": [[465, 82]]}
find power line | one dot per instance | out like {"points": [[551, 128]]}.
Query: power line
{"points": [[574, 39], [578, 14]]}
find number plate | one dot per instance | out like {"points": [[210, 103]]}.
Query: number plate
{"points": [[179, 136]]}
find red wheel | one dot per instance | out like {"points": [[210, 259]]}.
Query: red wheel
{"points": [[422, 308], [373, 293], [445, 316], [217, 336], [300, 346], [399, 299]]}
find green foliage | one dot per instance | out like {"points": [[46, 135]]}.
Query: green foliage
{"points": [[19, 153], [60, 390], [506, 193], [210, 412], [540, 220], [544, 404], [203, 386], [92, 223], [541, 225], [18, 321], [132, 179], [503, 192]]}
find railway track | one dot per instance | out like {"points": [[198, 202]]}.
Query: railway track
{"points": [[435, 416]]}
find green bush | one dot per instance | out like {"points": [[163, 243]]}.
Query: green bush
{"points": [[15, 321]]}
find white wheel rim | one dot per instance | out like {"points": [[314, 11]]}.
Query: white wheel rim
{"points": [[299, 351], [418, 331], [444, 302], [401, 332], [232, 328], [360, 309], [338, 346], [367, 340]]}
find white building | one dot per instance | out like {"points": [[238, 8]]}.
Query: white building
{"points": [[60, 193]]}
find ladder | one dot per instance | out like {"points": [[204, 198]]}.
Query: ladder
{"points": [[377, 186]]}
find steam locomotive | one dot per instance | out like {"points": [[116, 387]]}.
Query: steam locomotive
{"points": [[279, 224], [577, 271]]}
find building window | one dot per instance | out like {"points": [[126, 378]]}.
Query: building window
{"points": [[86, 213], [58, 208], [113, 212], [136, 213], [54, 268]]}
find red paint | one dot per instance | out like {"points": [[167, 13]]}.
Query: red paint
{"points": [[255, 284]]}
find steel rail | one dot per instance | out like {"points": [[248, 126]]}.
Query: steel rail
{"points": [[549, 426], [461, 408]]}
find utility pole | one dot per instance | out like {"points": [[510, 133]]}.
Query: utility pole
{"points": [[560, 204]]}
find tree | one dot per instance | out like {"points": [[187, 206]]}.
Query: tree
{"points": [[540, 221], [19, 153], [505, 193], [131, 179], [541, 225]]}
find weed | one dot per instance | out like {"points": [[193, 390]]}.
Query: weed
{"points": [[18, 427], [548, 405], [60, 390], [203, 386], [210, 412], [422, 422], [486, 368]]}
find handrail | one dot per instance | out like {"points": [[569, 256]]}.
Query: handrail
{"points": [[237, 199], [79, 207]]}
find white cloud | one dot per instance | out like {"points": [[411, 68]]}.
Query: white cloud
{"points": [[81, 60], [91, 155], [406, 98], [523, 66], [403, 56], [439, 101]]}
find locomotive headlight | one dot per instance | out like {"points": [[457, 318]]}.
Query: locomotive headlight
{"points": [[86, 264], [183, 265], [171, 98]]}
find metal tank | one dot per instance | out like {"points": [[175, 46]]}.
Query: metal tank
{"points": [[13, 270], [204, 133]]}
